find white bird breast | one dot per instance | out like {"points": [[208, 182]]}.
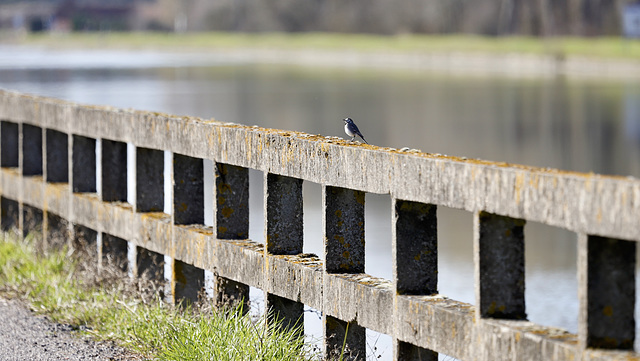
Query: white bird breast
{"points": [[348, 131]]}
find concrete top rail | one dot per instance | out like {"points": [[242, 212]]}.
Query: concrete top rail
{"points": [[52, 153], [580, 202]]}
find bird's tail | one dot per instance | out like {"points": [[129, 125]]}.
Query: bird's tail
{"points": [[363, 139]]}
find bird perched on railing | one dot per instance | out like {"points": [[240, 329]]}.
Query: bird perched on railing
{"points": [[352, 129]]}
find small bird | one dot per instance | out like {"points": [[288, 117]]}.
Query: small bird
{"points": [[352, 129]]}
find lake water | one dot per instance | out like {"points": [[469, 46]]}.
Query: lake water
{"points": [[572, 124]]}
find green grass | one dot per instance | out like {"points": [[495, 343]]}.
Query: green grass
{"points": [[56, 283], [603, 47]]}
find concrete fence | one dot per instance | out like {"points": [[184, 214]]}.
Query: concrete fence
{"points": [[48, 158]]}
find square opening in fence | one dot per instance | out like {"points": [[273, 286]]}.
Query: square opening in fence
{"points": [[312, 214], [313, 333], [256, 206], [379, 346], [455, 254], [551, 284], [377, 223]]}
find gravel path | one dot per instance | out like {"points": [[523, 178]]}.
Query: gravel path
{"points": [[25, 336]]}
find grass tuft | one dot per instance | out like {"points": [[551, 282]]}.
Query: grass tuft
{"points": [[110, 306]]}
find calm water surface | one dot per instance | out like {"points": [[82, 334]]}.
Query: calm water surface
{"points": [[581, 125]]}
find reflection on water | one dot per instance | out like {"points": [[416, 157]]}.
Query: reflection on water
{"points": [[581, 125]]}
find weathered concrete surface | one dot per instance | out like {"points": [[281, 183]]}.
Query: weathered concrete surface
{"points": [[9, 209], [297, 277], [231, 203], [189, 282], [188, 190], [56, 197], [155, 232], [415, 247], [57, 156], [343, 226], [10, 183], [592, 204], [360, 297], [420, 319], [31, 149], [607, 290], [597, 205], [192, 244], [150, 172], [83, 164], [499, 266], [114, 170], [283, 223], [32, 189], [9, 144], [415, 263], [239, 260]]}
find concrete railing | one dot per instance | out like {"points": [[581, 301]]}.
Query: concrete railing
{"points": [[48, 159]]}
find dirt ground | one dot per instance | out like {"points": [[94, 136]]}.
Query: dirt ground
{"points": [[26, 336]]}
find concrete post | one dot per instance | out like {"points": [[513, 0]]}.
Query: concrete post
{"points": [[188, 208], [343, 225], [189, 281], [56, 170], [31, 150], [10, 158], [9, 138], [231, 203], [499, 266], [188, 190], [284, 235], [114, 252], [82, 177], [32, 220], [229, 294], [607, 292], [114, 171], [407, 352], [56, 231], [415, 248], [352, 347], [415, 262], [289, 313], [231, 221], [283, 214], [149, 180], [149, 198], [10, 213], [85, 240], [149, 265], [57, 159], [83, 164]]}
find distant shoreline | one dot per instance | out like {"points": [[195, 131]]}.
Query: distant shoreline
{"points": [[465, 55]]}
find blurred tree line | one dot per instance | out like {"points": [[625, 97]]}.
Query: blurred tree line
{"points": [[489, 17]]}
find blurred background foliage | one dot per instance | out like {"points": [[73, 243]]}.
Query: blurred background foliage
{"points": [[485, 17]]}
